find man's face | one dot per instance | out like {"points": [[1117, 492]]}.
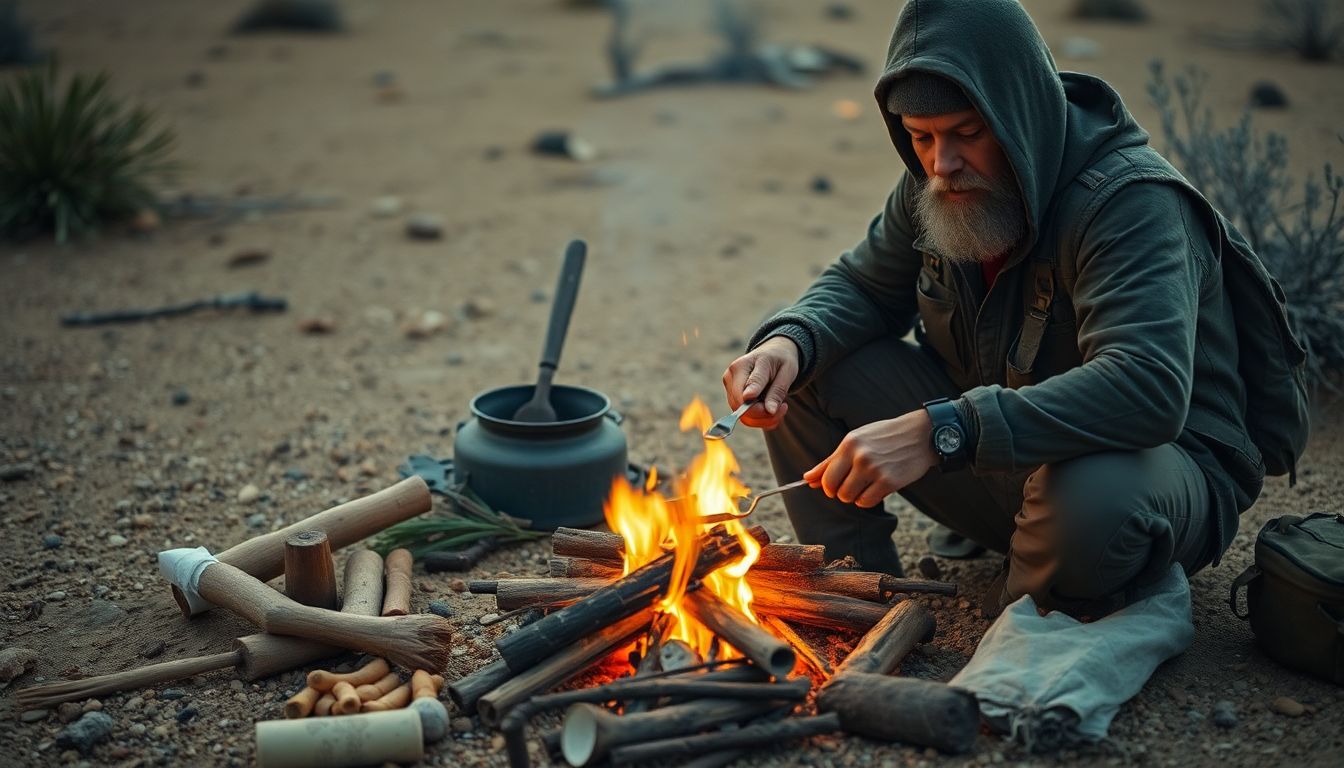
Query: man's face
{"points": [[970, 206]]}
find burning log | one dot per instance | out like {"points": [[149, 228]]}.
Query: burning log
{"points": [[764, 734], [803, 648], [591, 732], [890, 639], [818, 609], [263, 557], [609, 548], [624, 597], [255, 656], [549, 672], [864, 585], [919, 712], [764, 649]]}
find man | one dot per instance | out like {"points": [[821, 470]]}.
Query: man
{"points": [[1073, 397]]}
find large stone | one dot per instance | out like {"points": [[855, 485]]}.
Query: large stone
{"points": [[88, 732], [14, 662]]}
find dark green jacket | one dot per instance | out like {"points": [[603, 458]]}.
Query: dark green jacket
{"points": [[1140, 349]]}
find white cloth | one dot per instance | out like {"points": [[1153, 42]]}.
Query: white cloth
{"points": [[182, 568], [1051, 681]]}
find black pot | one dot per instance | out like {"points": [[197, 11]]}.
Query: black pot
{"points": [[556, 473]]}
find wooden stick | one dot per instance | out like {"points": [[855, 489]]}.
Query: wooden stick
{"points": [[582, 567], [368, 674], [764, 649], [511, 594], [800, 645], [629, 595], [607, 547], [459, 560], [395, 699], [591, 732], [397, 598], [301, 703], [310, 573], [890, 639], [766, 734], [371, 691], [262, 655], [571, 660], [919, 712], [263, 557], [818, 609], [256, 656], [414, 642], [323, 706], [466, 691]]}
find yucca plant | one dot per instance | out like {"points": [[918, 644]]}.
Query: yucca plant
{"points": [[72, 159]]}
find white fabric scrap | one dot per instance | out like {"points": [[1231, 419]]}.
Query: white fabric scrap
{"points": [[1052, 681], [182, 568]]}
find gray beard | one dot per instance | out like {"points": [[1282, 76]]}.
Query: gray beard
{"points": [[971, 231]]}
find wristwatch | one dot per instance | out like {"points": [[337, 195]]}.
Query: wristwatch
{"points": [[949, 438]]}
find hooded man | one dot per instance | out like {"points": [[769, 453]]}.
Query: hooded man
{"points": [[1073, 397]]}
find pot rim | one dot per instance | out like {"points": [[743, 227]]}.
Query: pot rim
{"points": [[533, 428]]}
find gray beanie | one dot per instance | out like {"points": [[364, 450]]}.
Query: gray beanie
{"points": [[920, 94]]}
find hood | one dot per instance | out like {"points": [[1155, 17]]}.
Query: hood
{"points": [[1051, 125]]}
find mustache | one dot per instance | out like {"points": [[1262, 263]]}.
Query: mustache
{"points": [[963, 181]]}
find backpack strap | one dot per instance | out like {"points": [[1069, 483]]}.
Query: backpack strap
{"points": [[1037, 314], [1247, 576]]}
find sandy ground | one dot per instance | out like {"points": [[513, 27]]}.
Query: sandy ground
{"points": [[701, 218]]}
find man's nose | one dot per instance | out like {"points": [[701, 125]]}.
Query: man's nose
{"points": [[946, 159]]}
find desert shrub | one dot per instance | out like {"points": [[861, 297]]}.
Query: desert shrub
{"points": [[1110, 10], [1309, 28], [291, 16], [16, 46], [72, 159], [1298, 231]]}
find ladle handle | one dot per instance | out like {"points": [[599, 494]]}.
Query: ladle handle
{"points": [[566, 294]]}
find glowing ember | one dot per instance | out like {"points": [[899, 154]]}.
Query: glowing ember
{"points": [[652, 524]]}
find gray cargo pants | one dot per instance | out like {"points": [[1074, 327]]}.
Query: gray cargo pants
{"points": [[1077, 533]]}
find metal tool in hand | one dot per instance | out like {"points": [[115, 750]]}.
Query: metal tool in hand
{"points": [[747, 504], [724, 427]]}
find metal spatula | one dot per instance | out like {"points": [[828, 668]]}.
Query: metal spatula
{"points": [[724, 427], [539, 408]]}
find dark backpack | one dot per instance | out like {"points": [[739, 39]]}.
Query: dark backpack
{"points": [[1272, 361]]}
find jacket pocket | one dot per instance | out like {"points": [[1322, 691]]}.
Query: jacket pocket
{"points": [[1058, 353], [938, 314]]}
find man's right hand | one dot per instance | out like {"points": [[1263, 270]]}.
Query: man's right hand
{"points": [[769, 369]]}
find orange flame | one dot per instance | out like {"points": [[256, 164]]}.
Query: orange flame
{"points": [[652, 524]]}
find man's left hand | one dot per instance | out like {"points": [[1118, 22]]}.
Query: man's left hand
{"points": [[877, 459]]}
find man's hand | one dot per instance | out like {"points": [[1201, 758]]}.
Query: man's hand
{"points": [[877, 459], [769, 369]]}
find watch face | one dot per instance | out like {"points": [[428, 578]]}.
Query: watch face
{"points": [[947, 439]]}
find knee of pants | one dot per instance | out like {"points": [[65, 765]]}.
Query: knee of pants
{"points": [[1097, 519]]}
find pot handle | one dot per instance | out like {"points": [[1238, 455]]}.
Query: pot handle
{"points": [[616, 416]]}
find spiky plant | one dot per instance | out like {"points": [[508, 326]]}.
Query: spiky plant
{"points": [[1300, 238], [73, 159]]}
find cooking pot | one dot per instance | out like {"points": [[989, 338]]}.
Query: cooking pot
{"points": [[556, 473]]}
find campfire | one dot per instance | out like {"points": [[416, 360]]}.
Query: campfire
{"points": [[709, 614]]}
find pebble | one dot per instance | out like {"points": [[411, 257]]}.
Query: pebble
{"points": [[317, 326], [248, 494], [117, 540], [488, 618], [385, 207], [440, 608], [51, 541], [89, 731], [257, 520], [93, 705], [460, 725], [1286, 706], [34, 715], [425, 324], [433, 718], [478, 308], [69, 712], [143, 520], [1224, 714], [928, 568], [457, 585], [822, 185], [172, 694], [186, 714], [54, 597], [294, 474], [424, 226], [1268, 95], [181, 397]]}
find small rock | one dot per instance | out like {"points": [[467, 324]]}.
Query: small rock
{"points": [[152, 649], [143, 520], [69, 712], [34, 715], [425, 324], [821, 185], [248, 258], [424, 226], [248, 494], [172, 694], [460, 725], [317, 326], [1286, 706], [434, 722], [564, 144], [89, 731], [457, 585], [385, 207], [258, 521], [1267, 95], [93, 705], [295, 475], [186, 714], [478, 308], [928, 568], [51, 541], [17, 471], [116, 540], [1224, 714], [54, 597], [488, 618], [440, 608]]}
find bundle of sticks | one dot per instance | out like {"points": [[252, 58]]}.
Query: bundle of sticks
{"points": [[676, 711]]}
